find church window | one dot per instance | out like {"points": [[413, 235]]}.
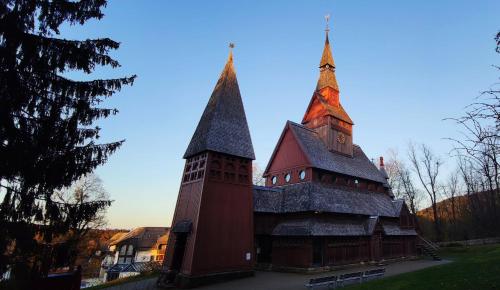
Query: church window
{"points": [[288, 177], [302, 175], [274, 179], [356, 182]]}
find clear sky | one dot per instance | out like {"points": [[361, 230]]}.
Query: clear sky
{"points": [[402, 66]]}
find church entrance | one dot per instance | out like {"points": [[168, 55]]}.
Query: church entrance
{"points": [[264, 249], [318, 251], [179, 249], [376, 245]]}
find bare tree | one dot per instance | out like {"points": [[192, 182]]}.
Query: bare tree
{"points": [[426, 166], [401, 183], [87, 189], [258, 175], [451, 190]]}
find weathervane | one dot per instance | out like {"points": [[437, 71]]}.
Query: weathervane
{"points": [[231, 45], [327, 18]]}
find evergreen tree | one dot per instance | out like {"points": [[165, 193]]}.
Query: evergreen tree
{"points": [[48, 138]]}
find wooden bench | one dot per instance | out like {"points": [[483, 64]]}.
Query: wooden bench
{"points": [[349, 278], [330, 281], [373, 274], [345, 279]]}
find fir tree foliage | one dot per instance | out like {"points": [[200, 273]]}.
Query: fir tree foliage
{"points": [[48, 139]]}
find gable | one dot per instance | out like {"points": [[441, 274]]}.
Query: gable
{"points": [[323, 103], [320, 157], [287, 153]]}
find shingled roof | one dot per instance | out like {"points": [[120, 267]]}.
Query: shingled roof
{"points": [[327, 66], [223, 126], [143, 237], [315, 226], [323, 227], [320, 157], [317, 197]]}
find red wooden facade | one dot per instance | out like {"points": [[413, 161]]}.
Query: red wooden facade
{"points": [[216, 197]]}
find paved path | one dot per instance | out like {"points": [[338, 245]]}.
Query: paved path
{"points": [[293, 281], [286, 281]]}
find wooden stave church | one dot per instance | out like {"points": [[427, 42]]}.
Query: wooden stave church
{"points": [[324, 204]]}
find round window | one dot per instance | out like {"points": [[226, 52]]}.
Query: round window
{"points": [[274, 179], [288, 177], [302, 175]]}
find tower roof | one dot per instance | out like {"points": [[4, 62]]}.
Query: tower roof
{"points": [[327, 57], [327, 68], [223, 126]]}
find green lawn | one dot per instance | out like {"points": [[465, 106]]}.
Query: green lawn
{"points": [[472, 268]]}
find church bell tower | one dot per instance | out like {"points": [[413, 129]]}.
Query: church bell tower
{"points": [[212, 228], [325, 114]]}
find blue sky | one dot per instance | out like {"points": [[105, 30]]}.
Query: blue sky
{"points": [[402, 66]]}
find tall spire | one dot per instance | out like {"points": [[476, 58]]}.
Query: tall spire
{"points": [[327, 65], [223, 126]]}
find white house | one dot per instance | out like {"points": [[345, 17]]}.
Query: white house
{"points": [[140, 250]]}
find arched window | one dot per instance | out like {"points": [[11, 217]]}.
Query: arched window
{"points": [[302, 174], [274, 180], [288, 177]]}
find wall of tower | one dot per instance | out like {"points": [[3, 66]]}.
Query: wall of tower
{"points": [[336, 134], [188, 206], [224, 238]]}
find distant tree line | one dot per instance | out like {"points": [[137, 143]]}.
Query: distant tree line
{"points": [[48, 139], [471, 208]]}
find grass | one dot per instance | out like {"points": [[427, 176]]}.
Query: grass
{"points": [[472, 268], [124, 280]]}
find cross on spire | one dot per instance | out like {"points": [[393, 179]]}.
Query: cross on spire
{"points": [[327, 18]]}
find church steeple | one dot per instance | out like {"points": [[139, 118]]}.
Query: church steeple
{"points": [[327, 67], [325, 114], [223, 126]]}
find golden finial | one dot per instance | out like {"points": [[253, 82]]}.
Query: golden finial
{"points": [[327, 18]]}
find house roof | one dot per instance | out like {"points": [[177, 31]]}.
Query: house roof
{"points": [[320, 157], [143, 237], [139, 267], [313, 196], [223, 126]]}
